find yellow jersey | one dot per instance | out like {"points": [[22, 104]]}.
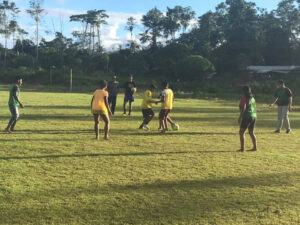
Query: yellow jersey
{"points": [[169, 98], [147, 100], [99, 103]]}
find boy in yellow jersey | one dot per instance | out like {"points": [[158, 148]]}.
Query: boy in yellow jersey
{"points": [[146, 106], [100, 108], [167, 100]]}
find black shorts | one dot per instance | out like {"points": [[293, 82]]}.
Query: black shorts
{"points": [[147, 113], [248, 123], [164, 114]]}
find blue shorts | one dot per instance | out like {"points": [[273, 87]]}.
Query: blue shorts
{"points": [[129, 98]]}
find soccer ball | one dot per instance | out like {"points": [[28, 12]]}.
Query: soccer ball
{"points": [[175, 127], [133, 90]]}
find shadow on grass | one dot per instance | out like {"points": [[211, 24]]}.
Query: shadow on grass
{"points": [[226, 200], [110, 155]]}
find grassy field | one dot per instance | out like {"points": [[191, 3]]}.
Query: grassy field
{"points": [[52, 171]]}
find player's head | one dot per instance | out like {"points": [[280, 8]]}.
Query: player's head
{"points": [[19, 80], [103, 84], [131, 78], [165, 84], [152, 87], [280, 83], [247, 92]]}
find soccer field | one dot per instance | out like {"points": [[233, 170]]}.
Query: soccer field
{"points": [[52, 171]]}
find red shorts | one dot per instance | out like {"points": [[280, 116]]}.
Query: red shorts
{"points": [[164, 114]]}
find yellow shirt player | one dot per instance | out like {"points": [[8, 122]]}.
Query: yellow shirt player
{"points": [[100, 108], [167, 100], [146, 106]]}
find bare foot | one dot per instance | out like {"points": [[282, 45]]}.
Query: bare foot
{"points": [[8, 131], [106, 138], [253, 150], [240, 150], [97, 138]]}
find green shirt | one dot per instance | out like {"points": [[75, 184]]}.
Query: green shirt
{"points": [[250, 107], [12, 101], [283, 95]]}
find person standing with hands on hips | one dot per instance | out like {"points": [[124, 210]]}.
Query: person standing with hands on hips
{"points": [[284, 99], [130, 89], [13, 103]]}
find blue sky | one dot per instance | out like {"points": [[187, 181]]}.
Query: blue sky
{"points": [[119, 10]]}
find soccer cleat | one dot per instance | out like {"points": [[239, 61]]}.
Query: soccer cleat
{"points": [[288, 131], [146, 127]]}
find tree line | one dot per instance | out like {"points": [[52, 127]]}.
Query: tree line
{"points": [[173, 44]]}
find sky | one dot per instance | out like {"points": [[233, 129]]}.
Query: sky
{"points": [[113, 34]]}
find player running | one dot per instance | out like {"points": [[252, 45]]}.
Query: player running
{"points": [[247, 118], [13, 103], [167, 100], [100, 108], [146, 106]]}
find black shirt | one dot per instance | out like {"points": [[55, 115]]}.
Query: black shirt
{"points": [[113, 88], [128, 88]]}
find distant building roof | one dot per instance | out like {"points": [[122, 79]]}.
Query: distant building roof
{"points": [[275, 69]]}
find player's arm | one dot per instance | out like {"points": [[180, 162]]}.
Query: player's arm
{"points": [[290, 103], [162, 99], [92, 102], [17, 98], [274, 102], [107, 105]]}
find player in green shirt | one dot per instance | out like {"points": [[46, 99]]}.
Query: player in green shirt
{"points": [[13, 104], [247, 118], [284, 99]]}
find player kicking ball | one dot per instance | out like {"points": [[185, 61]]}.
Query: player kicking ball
{"points": [[146, 106], [101, 109], [167, 100]]}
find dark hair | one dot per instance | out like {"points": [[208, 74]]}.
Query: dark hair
{"points": [[165, 84], [280, 81], [103, 83], [17, 78], [247, 92]]}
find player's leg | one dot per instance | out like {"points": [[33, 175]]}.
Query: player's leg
{"points": [[242, 139], [161, 117], [97, 121], [280, 119], [286, 121], [170, 121], [13, 118], [166, 119], [144, 118], [113, 104], [252, 135], [17, 115], [130, 106], [106, 127], [125, 105]]}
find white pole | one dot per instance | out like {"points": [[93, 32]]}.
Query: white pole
{"points": [[71, 80]]}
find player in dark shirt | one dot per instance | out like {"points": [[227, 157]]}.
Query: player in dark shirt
{"points": [[130, 89], [113, 90]]}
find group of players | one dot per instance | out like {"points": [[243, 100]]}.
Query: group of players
{"points": [[104, 102]]}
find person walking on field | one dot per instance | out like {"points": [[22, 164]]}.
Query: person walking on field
{"points": [[284, 99], [130, 89], [113, 90], [13, 103], [247, 118], [100, 109]]}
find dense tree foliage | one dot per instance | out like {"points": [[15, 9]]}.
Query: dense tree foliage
{"points": [[173, 45]]}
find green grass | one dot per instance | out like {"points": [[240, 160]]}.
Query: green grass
{"points": [[53, 172]]}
